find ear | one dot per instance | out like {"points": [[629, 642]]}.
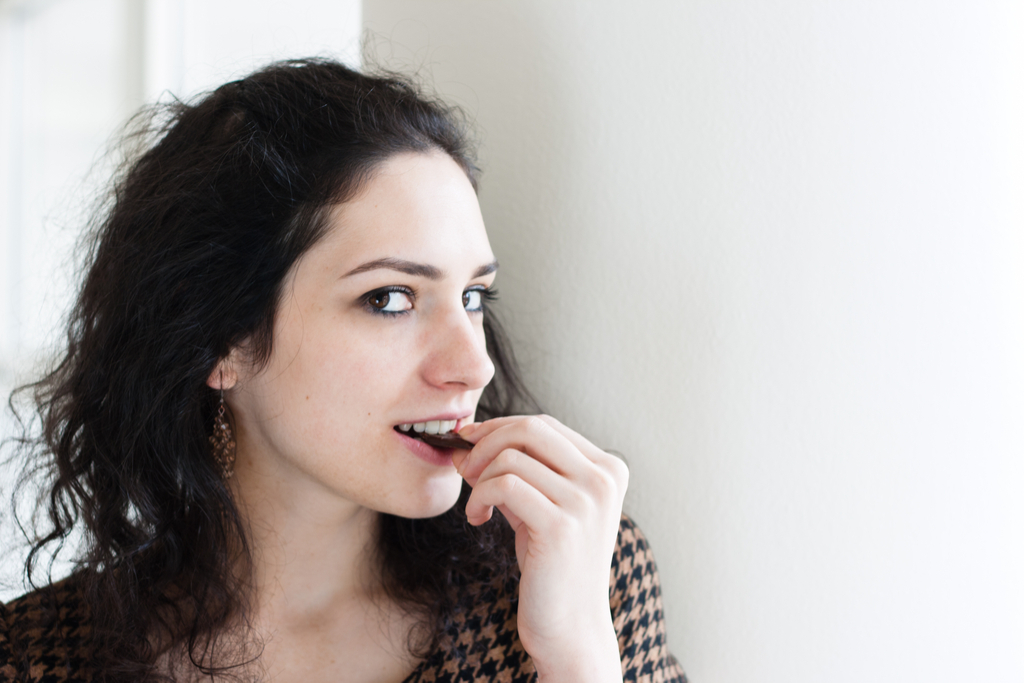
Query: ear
{"points": [[224, 375]]}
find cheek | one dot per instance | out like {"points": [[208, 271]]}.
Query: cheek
{"points": [[350, 377]]}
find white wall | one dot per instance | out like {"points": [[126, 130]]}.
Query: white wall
{"points": [[773, 253], [196, 45], [62, 91]]}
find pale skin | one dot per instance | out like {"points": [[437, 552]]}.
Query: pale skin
{"points": [[318, 456]]}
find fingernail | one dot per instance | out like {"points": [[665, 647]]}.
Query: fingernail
{"points": [[459, 460], [466, 430]]}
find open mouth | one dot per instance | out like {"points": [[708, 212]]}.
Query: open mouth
{"points": [[437, 433]]}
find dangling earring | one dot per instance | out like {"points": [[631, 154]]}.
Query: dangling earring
{"points": [[223, 440]]}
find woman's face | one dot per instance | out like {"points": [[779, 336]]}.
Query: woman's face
{"points": [[379, 325]]}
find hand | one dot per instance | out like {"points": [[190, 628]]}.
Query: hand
{"points": [[563, 497]]}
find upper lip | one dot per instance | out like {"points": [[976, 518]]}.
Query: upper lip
{"points": [[437, 418]]}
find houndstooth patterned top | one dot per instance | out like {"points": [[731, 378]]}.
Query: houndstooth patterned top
{"points": [[44, 636]]}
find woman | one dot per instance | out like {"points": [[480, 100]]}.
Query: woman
{"points": [[290, 289]]}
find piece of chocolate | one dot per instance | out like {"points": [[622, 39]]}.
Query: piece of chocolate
{"points": [[449, 440]]}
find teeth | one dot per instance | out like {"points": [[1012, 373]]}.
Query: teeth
{"points": [[432, 427]]}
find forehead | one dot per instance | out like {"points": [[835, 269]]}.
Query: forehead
{"points": [[416, 206]]}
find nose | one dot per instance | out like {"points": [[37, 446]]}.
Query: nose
{"points": [[457, 356]]}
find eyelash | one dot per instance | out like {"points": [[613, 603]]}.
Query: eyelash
{"points": [[487, 295], [386, 290]]}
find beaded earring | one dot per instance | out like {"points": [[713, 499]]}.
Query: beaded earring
{"points": [[223, 440]]}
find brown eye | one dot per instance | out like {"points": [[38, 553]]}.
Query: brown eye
{"points": [[388, 301]]}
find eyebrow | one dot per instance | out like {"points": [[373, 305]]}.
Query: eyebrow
{"points": [[413, 268]]}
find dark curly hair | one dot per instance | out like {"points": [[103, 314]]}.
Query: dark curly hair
{"points": [[187, 262]]}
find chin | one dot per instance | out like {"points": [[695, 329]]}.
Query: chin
{"points": [[436, 497]]}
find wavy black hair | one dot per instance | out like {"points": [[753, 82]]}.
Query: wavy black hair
{"points": [[187, 262]]}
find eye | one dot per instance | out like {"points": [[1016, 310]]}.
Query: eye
{"points": [[473, 299], [389, 301]]}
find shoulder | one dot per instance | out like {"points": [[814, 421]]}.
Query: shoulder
{"points": [[633, 569], [637, 611], [44, 634], [487, 645], [485, 642]]}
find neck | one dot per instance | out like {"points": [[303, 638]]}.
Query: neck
{"points": [[312, 551]]}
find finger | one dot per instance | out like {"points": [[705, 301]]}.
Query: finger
{"points": [[533, 437], [476, 431], [459, 457], [576, 439], [555, 487], [525, 502], [607, 461], [510, 517], [611, 467]]}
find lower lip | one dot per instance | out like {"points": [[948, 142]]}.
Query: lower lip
{"points": [[441, 457]]}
